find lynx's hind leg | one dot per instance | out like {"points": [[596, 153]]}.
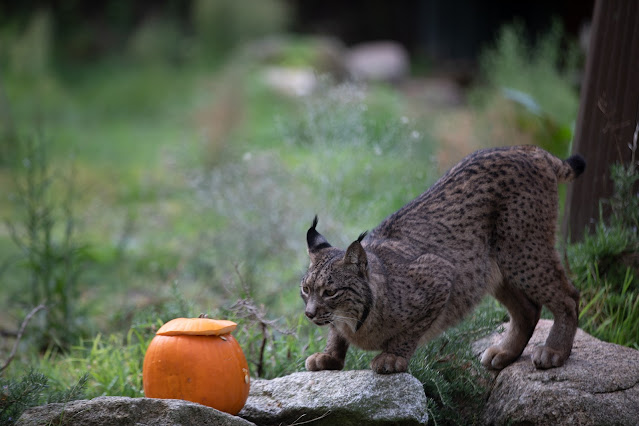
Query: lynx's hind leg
{"points": [[524, 315], [539, 276], [562, 299]]}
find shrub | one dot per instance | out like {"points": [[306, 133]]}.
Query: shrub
{"points": [[223, 24], [33, 389], [157, 41], [539, 79], [29, 52], [46, 237], [342, 146], [606, 263], [611, 311]]}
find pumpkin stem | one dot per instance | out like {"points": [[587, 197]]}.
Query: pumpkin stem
{"points": [[203, 316]]}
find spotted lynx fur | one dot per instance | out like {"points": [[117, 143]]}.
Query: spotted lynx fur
{"points": [[487, 226]]}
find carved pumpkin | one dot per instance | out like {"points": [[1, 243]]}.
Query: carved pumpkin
{"points": [[196, 359]]}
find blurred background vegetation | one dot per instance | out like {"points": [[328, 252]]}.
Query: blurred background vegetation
{"points": [[151, 167]]}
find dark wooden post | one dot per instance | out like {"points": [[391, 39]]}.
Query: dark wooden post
{"points": [[608, 110]]}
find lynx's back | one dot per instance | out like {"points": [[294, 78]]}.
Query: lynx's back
{"points": [[491, 198]]}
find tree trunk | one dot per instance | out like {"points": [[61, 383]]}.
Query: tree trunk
{"points": [[608, 110]]}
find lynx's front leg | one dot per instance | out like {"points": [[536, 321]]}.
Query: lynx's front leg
{"points": [[425, 290], [333, 356], [396, 356]]}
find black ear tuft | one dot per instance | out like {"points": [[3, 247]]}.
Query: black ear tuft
{"points": [[314, 240], [577, 163], [362, 236]]}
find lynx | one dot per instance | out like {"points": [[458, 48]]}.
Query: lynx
{"points": [[487, 226]]}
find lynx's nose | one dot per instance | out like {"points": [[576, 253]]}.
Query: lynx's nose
{"points": [[311, 309]]}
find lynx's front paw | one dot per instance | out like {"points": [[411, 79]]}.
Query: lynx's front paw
{"points": [[497, 358], [544, 357], [323, 361], [386, 363]]}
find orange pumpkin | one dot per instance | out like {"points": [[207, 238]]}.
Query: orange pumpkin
{"points": [[196, 359]]}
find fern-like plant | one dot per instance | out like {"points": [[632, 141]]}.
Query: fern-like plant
{"points": [[33, 389]]}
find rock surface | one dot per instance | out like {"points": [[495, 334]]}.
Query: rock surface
{"points": [[337, 398], [117, 410], [598, 385], [290, 81], [379, 61]]}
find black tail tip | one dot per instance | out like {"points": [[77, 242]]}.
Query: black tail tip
{"points": [[577, 163]]}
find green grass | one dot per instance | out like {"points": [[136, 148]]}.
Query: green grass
{"points": [[606, 266], [610, 313]]}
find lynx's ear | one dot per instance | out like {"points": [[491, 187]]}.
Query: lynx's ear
{"points": [[355, 256], [315, 241]]}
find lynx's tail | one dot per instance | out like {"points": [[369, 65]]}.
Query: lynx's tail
{"points": [[571, 168]]}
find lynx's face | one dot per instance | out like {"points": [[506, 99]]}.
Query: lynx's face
{"points": [[335, 288], [335, 295]]}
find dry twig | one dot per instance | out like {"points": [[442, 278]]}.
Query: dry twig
{"points": [[247, 308], [23, 326]]}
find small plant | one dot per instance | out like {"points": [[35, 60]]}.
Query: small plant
{"points": [[625, 198], [7, 129], [606, 262], [31, 390], [454, 380], [612, 314], [114, 363], [272, 350], [47, 239]]}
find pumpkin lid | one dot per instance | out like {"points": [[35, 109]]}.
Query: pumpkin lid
{"points": [[196, 327]]}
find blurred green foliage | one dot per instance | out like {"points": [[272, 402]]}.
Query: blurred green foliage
{"points": [[539, 79], [45, 234], [223, 24], [127, 139], [170, 31]]}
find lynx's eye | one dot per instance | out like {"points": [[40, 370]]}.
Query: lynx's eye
{"points": [[305, 289], [329, 292]]}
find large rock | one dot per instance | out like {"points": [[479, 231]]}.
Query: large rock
{"points": [[337, 398], [598, 385], [379, 61], [117, 410], [291, 81]]}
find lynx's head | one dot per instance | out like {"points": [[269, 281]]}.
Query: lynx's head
{"points": [[335, 288]]}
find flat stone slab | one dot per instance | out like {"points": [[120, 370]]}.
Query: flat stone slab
{"points": [[337, 398], [120, 410]]}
